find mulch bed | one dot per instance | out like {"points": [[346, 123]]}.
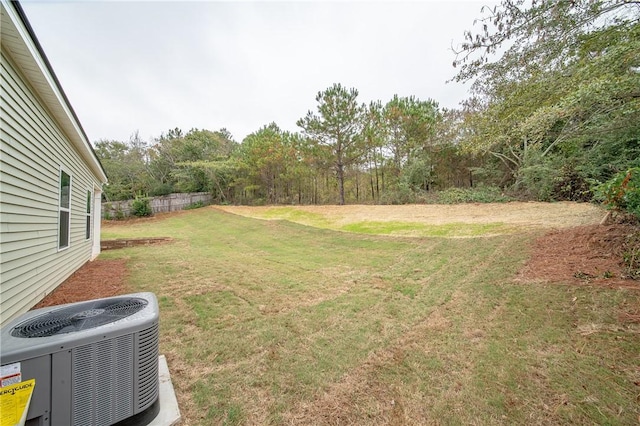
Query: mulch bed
{"points": [[94, 280], [582, 255]]}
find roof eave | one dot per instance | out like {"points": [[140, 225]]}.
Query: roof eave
{"points": [[36, 67]]}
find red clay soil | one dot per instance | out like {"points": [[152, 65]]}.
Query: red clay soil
{"points": [[584, 255]]}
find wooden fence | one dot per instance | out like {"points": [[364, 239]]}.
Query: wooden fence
{"points": [[166, 203]]}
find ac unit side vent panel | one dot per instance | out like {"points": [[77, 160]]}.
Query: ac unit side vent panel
{"points": [[102, 375], [123, 398], [82, 384], [104, 367], [148, 383]]}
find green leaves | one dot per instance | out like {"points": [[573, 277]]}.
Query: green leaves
{"points": [[272, 162], [337, 125], [567, 85], [622, 192], [125, 167], [338, 117], [410, 125], [141, 207]]}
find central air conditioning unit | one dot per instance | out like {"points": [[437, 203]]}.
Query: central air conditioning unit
{"points": [[94, 362]]}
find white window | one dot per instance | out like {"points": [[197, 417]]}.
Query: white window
{"points": [[64, 211], [87, 233]]}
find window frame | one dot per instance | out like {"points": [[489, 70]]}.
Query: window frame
{"points": [[88, 233], [64, 210]]}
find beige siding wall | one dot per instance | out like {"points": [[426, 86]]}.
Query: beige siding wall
{"points": [[32, 151]]}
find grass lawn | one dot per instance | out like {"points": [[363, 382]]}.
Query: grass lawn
{"points": [[274, 322]]}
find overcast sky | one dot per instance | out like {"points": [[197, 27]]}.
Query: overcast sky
{"points": [[153, 66]]}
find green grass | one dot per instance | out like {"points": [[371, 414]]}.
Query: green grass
{"points": [[395, 228], [423, 230], [295, 215], [273, 322]]}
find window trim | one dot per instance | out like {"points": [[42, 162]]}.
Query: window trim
{"points": [[88, 230], [64, 209]]}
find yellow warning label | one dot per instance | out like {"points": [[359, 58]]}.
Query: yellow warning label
{"points": [[14, 403]]}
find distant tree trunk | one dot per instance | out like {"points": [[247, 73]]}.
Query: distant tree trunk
{"points": [[315, 190], [373, 192], [377, 182], [340, 173], [336, 126], [381, 175]]}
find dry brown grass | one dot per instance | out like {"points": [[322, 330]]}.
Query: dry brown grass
{"points": [[361, 394], [525, 214]]}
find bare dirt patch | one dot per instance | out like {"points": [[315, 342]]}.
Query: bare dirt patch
{"points": [[131, 242]]}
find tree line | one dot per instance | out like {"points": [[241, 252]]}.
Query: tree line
{"points": [[345, 152], [553, 114]]}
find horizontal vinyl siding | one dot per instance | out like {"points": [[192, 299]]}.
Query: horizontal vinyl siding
{"points": [[32, 150]]}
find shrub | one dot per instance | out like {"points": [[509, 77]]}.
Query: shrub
{"points": [[161, 189], [119, 213], [481, 194], [621, 193], [400, 195], [196, 205], [141, 207], [569, 185], [536, 181]]}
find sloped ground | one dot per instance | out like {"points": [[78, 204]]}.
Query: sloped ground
{"points": [[566, 256], [525, 215], [575, 251], [590, 254]]}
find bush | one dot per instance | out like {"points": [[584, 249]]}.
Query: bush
{"points": [[481, 194], [400, 195], [536, 181], [621, 193], [119, 213], [196, 205], [141, 207], [569, 185], [161, 189]]}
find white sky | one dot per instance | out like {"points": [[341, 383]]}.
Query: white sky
{"points": [[152, 66]]}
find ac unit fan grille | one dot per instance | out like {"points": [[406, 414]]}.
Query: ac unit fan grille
{"points": [[80, 316]]}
